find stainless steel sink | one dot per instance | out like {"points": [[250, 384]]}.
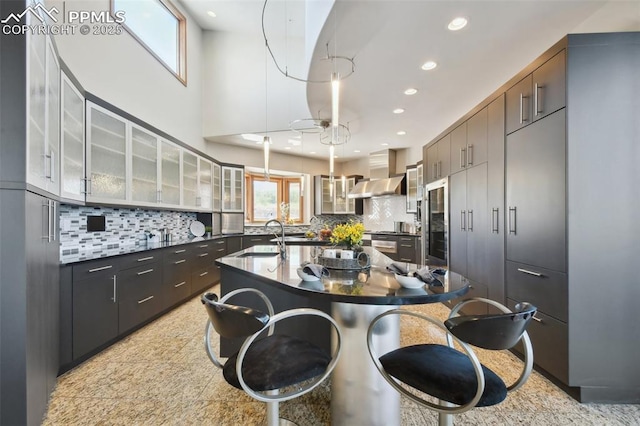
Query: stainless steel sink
{"points": [[259, 254]]}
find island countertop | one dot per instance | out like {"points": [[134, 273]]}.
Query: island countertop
{"points": [[374, 285]]}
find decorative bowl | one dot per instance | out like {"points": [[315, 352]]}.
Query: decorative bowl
{"points": [[306, 277], [409, 281]]}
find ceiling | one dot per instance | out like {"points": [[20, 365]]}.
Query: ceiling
{"points": [[389, 40]]}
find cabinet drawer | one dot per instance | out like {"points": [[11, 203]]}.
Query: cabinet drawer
{"points": [[406, 254], [545, 289], [140, 259], [549, 338], [407, 242], [131, 313], [176, 290], [139, 283], [256, 240], [177, 254], [96, 269], [204, 278]]}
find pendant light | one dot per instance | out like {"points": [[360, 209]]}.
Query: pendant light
{"points": [[266, 141]]}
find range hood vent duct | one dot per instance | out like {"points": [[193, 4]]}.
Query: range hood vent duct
{"points": [[382, 177]]}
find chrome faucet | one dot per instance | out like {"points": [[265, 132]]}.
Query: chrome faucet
{"points": [[283, 251]]}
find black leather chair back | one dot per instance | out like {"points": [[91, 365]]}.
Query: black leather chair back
{"points": [[233, 321], [496, 332]]}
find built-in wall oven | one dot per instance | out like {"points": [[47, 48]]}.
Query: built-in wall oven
{"points": [[384, 245], [435, 218]]}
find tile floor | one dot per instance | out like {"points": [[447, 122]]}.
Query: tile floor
{"points": [[161, 375]]}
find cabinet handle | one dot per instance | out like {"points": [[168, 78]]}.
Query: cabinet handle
{"points": [[101, 268], [204, 246], [90, 186], [145, 272], [158, 196], [435, 170], [470, 219], [522, 112], [512, 222], [406, 260], [86, 185], [526, 271], [220, 249], [52, 165], [462, 161], [495, 222], [406, 245], [180, 284], [439, 168], [180, 251], [256, 239], [115, 288], [536, 101], [203, 255], [462, 220], [146, 299], [177, 262], [536, 319], [142, 259], [470, 155], [203, 274]]}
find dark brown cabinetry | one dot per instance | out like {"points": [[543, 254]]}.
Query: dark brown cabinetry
{"points": [[438, 159], [256, 240], [95, 305], [139, 295], [538, 94], [176, 275], [407, 249]]}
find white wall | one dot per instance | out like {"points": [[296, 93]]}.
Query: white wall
{"points": [[119, 70]]}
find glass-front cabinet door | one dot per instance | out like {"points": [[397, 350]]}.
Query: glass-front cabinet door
{"points": [[144, 167], [412, 190], [52, 156], [189, 179], [169, 174], [351, 202], [205, 171], [72, 142], [217, 188], [106, 155], [232, 189], [340, 195]]}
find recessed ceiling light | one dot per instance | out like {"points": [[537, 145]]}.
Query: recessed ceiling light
{"points": [[287, 147], [457, 23], [411, 91], [398, 111], [429, 65], [356, 150], [211, 13], [384, 144], [401, 133], [312, 152]]}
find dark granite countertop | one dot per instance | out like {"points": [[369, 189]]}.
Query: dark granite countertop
{"points": [[375, 285]]}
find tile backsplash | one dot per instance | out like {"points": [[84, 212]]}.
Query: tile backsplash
{"points": [[381, 212], [123, 227]]}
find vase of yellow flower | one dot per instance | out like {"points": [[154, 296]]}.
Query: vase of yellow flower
{"points": [[348, 234]]}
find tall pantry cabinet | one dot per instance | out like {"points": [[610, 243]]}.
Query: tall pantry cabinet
{"points": [[29, 249], [572, 204]]}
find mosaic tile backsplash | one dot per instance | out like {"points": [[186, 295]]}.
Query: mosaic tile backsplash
{"points": [[123, 227]]}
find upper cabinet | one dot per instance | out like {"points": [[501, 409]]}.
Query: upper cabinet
{"points": [[412, 189], [232, 189], [420, 177], [144, 167], [169, 174], [43, 109], [469, 143], [438, 159], [331, 198], [217, 188], [106, 155], [131, 165], [72, 141], [538, 94]]}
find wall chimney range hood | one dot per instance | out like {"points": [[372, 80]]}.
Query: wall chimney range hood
{"points": [[382, 177]]}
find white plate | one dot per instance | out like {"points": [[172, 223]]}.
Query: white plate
{"points": [[409, 282], [197, 228]]}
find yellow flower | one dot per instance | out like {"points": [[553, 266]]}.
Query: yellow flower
{"points": [[349, 233]]}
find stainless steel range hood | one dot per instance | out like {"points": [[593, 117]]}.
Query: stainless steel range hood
{"points": [[382, 175]]}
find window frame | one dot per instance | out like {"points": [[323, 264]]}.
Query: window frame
{"points": [[181, 73], [283, 195]]}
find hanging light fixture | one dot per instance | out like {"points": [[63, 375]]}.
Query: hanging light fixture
{"points": [[332, 149], [266, 141], [302, 165]]}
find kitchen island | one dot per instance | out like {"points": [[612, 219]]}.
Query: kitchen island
{"points": [[359, 394]]}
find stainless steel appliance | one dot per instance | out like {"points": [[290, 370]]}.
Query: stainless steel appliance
{"points": [[232, 223], [385, 246], [435, 223]]}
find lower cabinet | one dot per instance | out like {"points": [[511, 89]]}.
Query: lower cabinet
{"points": [[256, 240], [112, 296], [476, 289], [94, 306], [140, 295], [407, 248]]}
